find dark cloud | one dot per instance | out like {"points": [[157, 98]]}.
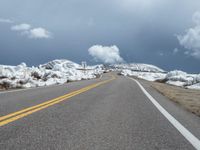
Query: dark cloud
{"points": [[141, 29]]}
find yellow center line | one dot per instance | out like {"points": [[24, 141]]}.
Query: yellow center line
{"points": [[27, 111], [47, 102]]}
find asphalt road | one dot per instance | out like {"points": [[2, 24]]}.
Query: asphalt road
{"points": [[110, 115]]}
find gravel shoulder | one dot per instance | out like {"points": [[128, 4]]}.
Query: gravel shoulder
{"points": [[187, 98]]}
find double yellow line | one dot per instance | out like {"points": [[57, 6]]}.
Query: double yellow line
{"points": [[27, 111]]}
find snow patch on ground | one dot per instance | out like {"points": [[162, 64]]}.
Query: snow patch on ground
{"points": [[194, 86], [176, 83]]}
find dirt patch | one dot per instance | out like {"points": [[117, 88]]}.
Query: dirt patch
{"points": [[187, 98]]}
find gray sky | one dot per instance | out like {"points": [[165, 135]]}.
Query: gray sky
{"points": [[164, 33]]}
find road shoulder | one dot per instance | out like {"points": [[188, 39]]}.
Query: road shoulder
{"points": [[186, 118]]}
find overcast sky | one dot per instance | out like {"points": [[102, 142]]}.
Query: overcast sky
{"points": [[165, 33]]}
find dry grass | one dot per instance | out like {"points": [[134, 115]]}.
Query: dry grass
{"points": [[189, 99]]}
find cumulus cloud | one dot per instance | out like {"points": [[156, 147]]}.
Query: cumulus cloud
{"points": [[39, 33], [21, 27], [106, 54], [35, 33], [191, 39], [2, 20]]}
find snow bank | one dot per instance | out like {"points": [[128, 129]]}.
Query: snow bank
{"points": [[180, 78], [143, 71], [176, 77], [150, 76], [51, 73], [194, 86]]}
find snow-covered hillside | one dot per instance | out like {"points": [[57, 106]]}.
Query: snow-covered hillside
{"points": [[54, 72], [61, 64], [139, 67]]}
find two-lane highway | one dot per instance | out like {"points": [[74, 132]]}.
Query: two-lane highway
{"points": [[111, 113]]}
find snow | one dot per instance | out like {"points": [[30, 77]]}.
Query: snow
{"points": [[180, 78], [139, 67], [143, 71], [176, 83], [60, 64], [51, 73], [62, 71], [150, 76], [194, 86], [175, 77]]}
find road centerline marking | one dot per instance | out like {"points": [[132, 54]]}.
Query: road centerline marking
{"points": [[41, 104], [192, 139], [27, 111]]}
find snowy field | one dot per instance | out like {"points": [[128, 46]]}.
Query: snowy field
{"points": [[51, 73]]}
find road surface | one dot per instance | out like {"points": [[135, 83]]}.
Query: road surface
{"points": [[110, 113]]}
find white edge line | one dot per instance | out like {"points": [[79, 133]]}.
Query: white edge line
{"points": [[26, 89], [185, 132], [3, 92]]}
